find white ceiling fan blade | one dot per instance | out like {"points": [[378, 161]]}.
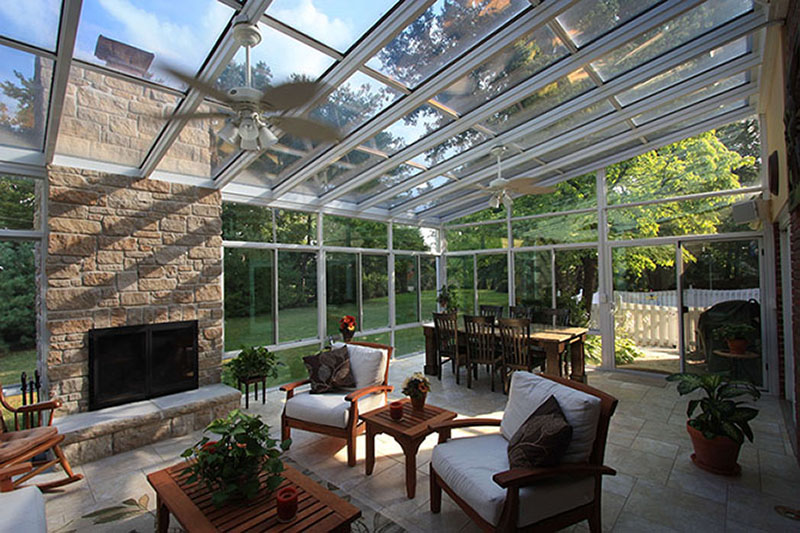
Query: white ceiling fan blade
{"points": [[201, 116], [289, 95], [206, 88], [527, 186], [305, 128]]}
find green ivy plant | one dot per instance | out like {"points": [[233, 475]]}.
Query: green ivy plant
{"points": [[254, 362], [231, 465], [735, 331], [720, 414], [446, 296]]}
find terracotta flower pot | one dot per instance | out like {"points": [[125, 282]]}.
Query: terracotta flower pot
{"points": [[418, 403], [717, 455], [737, 346]]}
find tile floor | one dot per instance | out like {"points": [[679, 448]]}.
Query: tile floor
{"points": [[657, 487]]}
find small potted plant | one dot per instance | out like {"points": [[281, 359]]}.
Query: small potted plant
{"points": [[347, 327], [254, 362], [737, 335], [446, 297], [417, 387], [719, 430], [231, 465]]}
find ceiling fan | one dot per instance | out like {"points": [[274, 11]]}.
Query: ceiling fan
{"points": [[251, 123], [502, 188]]}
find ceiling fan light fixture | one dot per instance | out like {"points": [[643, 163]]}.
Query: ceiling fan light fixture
{"points": [[265, 137], [229, 133], [494, 201], [507, 200]]}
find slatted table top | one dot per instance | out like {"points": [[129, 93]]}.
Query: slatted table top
{"points": [[413, 424], [539, 332], [318, 509]]}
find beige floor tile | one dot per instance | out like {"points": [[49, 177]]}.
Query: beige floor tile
{"points": [[752, 508], [675, 508], [655, 447], [628, 522], [639, 464]]}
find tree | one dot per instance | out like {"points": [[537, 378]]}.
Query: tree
{"points": [[17, 296]]}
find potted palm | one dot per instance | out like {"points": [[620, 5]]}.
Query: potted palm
{"points": [[720, 428], [737, 335]]}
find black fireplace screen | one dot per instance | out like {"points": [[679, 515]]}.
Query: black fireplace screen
{"points": [[133, 363]]}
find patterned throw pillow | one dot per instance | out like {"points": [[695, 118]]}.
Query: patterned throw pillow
{"points": [[542, 439], [329, 369]]}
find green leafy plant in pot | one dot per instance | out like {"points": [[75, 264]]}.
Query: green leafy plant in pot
{"points": [[720, 428], [738, 336], [239, 462], [446, 297], [254, 362]]}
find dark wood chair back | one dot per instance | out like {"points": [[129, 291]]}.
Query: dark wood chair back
{"points": [[548, 315], [481, 340], [515, 334], [519, 311], [495, 311], [446, 331]]}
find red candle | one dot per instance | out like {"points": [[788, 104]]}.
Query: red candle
{"points": [[286, 504], [396, 410]]}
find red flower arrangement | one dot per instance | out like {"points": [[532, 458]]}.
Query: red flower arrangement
{"points": [[347, 327]]}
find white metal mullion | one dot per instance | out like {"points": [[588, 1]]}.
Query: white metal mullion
{"points": [[275, 300], [67, 32], [444, 208], [523, 24], [289, 31], [510, 261], [322, 285], [728, 33], [391, 282], [605, 282], [23, 47], [360, 290], [474, 283], [562, 140], [216, 63], [128, 78]]}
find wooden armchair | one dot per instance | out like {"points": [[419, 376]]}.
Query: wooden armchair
{"points": [[474, 471], [33, 435], [336, 413]]}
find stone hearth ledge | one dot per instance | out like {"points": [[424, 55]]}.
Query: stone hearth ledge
{"points": [[93, 435]]}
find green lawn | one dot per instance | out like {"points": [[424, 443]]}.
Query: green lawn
{"points": [[15, 363]]}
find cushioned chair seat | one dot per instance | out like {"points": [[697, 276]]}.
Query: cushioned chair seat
{"points": [[467, 465], [329, 409], [14, 443]]}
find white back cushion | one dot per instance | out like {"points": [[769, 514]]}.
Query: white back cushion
{"points": [[582, 411], [368, 365]]}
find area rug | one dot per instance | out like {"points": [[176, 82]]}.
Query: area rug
{"points": [[136, 514]]}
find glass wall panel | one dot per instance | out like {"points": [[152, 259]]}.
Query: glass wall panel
{"points": [[577, 193], [18, 205], [409, 341], [427, 274], [576, 285], [343, 231], [243, 222], [493, 280], [483, 237], [379, 338], [405, 289], [297, 295], [18, 310], [293, 359], [296, 227], [25, 80], [580, 227], [341, 275], [40, 30], [248, 298], [461, 278], [533, 278], [414, 238], [375, 291]]}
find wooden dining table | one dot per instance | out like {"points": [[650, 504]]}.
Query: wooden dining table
{"points": [[554, 340]]}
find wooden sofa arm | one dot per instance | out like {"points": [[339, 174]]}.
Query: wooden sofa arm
{"points": [[7, 472], [360, 393], [464, 423], [519, 477]]}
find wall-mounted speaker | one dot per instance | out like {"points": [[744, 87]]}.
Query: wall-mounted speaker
{"points": [[749, 211]]}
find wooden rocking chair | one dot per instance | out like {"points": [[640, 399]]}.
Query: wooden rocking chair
{"points": [[33, 435]]}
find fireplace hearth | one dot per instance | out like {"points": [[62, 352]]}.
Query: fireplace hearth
{"points": [[132, 363]]}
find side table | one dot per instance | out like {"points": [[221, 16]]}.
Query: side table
{"points": [[254, 382], [409, 432]]}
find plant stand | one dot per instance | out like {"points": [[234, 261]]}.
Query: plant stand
{"points": [[253, 381]]}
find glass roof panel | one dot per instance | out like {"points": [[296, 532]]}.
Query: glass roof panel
{"points": [[265, 170], [683, 72], [40, 30], [389, 179], [25, 81], [410, 129], [511, 65], [198, 151], [428, 186], [576, 193], [569, 122], [139, 38], [589, 19], [451, 147], [705, 117], [277, 59], [336, 23], [670, 35], [442, 33], [355, 101], [584, 142], [541, 101], [691, 99], [441, 200], [342, 170], [109, 119]]}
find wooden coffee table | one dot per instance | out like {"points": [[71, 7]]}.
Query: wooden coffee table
{"points": [[409, 432], [318, 509]]}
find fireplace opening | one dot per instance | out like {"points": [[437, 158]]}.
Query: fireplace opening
{"points": [[132, 363]]}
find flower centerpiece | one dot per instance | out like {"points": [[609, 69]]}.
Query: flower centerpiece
{"points": [[231, 466], [417, 387], [347, 327]]}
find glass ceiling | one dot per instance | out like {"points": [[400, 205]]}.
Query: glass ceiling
{"points": [[420, 90]]}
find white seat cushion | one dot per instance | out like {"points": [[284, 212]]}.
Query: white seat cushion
{"points": [[367, 364], [467, 465], [329, 408], [582, 411], [23, 510]]}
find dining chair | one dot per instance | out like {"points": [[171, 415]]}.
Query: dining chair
{"points": [[519, 311], [549, 315], [495, 311], [516, 349], [481, 346], [447, 348]]}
